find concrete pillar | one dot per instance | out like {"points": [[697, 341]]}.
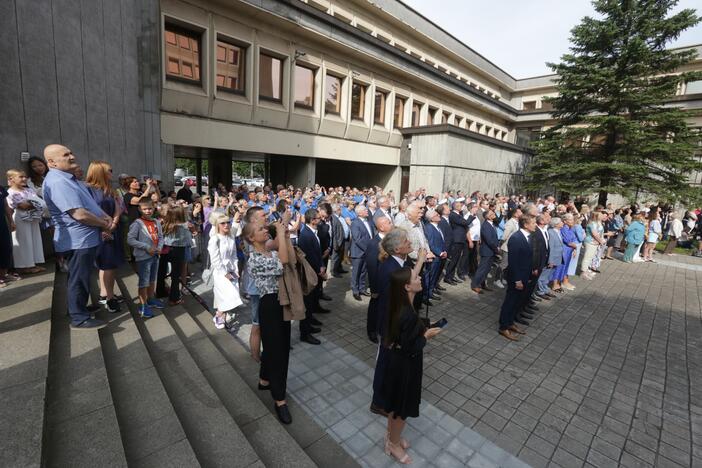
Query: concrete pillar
{"points": [[220, 168]]}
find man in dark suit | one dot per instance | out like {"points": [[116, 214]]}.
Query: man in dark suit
{"points": [[443, 210], [437, 245], [338, 234], [383, 226], [309, 243], [383, 209], [325, 242], [539, 258], [489, 247], [459, 241], [361, 233], [519, 271]]}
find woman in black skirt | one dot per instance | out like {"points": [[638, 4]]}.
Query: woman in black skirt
{"points": [[406, 337]]}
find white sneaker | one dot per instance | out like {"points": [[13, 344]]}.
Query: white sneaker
{"points": [[499, 284], [218, 321]]}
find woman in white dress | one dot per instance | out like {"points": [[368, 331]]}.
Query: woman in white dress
{"points": [[27, 250], [224, 266]]}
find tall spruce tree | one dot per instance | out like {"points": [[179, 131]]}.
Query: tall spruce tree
{"points": [[614, 132]]}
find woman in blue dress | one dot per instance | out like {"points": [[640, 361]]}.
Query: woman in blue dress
{"points": [[110, 254], [570, 245]]}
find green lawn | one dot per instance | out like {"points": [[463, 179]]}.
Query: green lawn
{"points": [[660, 247]]}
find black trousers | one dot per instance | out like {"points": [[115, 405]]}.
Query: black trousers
{"points": [[275, 338], [455, 255], [176, 257], [311, 305], [530, 287], [514, 298], [372, 317], [481, 273], [469, 262]]}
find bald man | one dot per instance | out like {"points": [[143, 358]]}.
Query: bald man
{"points": [[77, 220]]}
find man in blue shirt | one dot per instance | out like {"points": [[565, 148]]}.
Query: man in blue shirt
{"points": [[78, 220]]}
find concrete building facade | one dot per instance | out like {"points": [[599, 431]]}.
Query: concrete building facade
{"points": [[352, 92]]}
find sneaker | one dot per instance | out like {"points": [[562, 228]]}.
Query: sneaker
{"points": [[145, 311], [112, 305], [499, 284], [102, 300], [153, 302], [118, 297], [89, 324], [219, 321]]}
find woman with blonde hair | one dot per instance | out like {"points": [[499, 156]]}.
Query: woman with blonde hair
{"points": [[224, 267], [28, 207], [110, 254]]}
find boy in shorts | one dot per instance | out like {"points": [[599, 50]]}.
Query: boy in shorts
{"points": [[146, 239]]}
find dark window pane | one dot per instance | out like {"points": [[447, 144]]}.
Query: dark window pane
{"points": [[416, 111], [304, 86], [358, 100], [232, 71], [379, 109], [270, 79], [332, 95], [182, 56]]}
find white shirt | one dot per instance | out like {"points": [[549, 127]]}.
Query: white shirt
{"points": [[314, 231], [544, 231], [399, 260], [474, 229], [368, 228], [525, 233], [436, 225]]}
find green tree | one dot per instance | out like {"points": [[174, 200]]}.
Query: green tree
{"points": [[614, 132]]}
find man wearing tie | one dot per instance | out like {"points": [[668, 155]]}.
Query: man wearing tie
{"points": [[489, 247], [437, 246], [383, 226], [308, 241], [459, 242], [383, 209], [361, 234], [539, 259], [340, 235], [519, 272]]}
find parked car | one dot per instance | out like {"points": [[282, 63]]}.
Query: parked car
{"points": [[178, 182]]}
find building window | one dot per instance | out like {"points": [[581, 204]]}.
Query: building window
{"points": [[304, 87], [546, 106], [231, 60], [416, 113], [332, 95], [445, 117], [529, 105], [182, 54], [693, 87], [399, 112], [379, 109], [270, 78], [358, 101]]}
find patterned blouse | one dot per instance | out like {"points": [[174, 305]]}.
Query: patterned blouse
{"points": [[265, 271]]}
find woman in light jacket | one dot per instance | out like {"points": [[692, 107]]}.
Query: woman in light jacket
{"points": [[634, 236], [224, 266]]}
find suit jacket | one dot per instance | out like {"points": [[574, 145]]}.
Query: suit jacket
{"points": [[385, 269], [324, 236], [540, 250], [459, 228], [307, 242], [437, 244], [446, 229], [379, 214], [360, 237], [489, 245], [555, 247], [519, 260], [337, 233], [372, 263]]}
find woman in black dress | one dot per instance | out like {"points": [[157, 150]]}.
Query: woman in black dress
{"points": [[406, 337]]}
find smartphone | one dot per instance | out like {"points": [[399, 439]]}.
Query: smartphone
{"points": [[440, 324]]}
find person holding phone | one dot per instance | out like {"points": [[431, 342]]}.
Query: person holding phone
{"points": [[406, 337]]}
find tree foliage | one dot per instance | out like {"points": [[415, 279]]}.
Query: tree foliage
{"points": [[616, 131]]}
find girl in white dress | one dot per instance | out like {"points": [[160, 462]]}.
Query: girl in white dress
{"points": [[224, 266], [27, 250]]}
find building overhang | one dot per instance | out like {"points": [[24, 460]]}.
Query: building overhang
{"points": [[464, 133]]}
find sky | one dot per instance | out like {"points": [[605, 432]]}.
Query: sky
{"points": [[520, 36]]}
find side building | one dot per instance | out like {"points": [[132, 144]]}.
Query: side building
{"points": [[347, 92]]}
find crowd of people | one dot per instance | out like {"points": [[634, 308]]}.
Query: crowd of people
{"points": [[274, 248]]}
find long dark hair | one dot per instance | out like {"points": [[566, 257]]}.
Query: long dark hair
{"points": [[36, 178], [399, 300]]}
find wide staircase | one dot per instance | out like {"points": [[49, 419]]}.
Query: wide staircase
{"points": [[167, 391]]}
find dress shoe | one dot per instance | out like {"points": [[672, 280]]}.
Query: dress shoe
{"points": [[315, 330], [516, 329], [373, 337], [428, 302], [508, 334], [365, 293], [521, 321], [437, 292], [283, 413], [535, 298], [435, 297], [322, 310], [544, 297], [440, 288], [450, 281], [315, 322], [310, 339], [526, 315], [357, 297], [324, 297], [531, 308]]}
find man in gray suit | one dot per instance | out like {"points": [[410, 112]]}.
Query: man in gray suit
{"points": [[383, 209]]}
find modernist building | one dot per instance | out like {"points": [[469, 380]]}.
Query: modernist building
{"points": [[364, 92]]}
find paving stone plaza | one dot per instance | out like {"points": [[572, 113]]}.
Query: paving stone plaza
{"points": [[607, 375]]}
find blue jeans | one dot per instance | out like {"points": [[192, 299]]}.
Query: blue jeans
{"points": [[81, 263], [147, 271]]}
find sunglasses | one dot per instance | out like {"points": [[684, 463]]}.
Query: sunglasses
{"points": [[224, 222]]}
